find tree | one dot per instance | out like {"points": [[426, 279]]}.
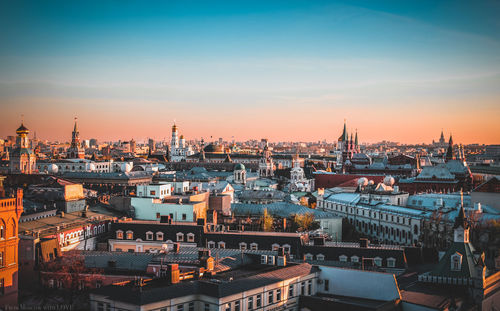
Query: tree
{"points": [[266, 221], [304, 222]]}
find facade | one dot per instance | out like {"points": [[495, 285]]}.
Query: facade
{"points": [[10, 212], [22, 159]]}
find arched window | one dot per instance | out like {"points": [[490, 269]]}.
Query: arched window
{"points": [[415, 229]]}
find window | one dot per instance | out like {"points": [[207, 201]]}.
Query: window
{"points": [[191, 306], [119, 235], [320, 257], [243, 246], [354, 259], [254, 246], [456, 262], [309, 287], [221, 244], [270, 297], [184, 217], [211, 244], [278, 295], [237, 305], [152, 192], [343, 258], [180, 237], [259, 301], [327, 285], [250, 303], [149, 235], [391, 262], [286, 248], [159, 236], [190, 237], [275, 247], [377, 261], [309, 256], [302, 288], [290, 291], [207, 307], [228, 307], [130, 235]]}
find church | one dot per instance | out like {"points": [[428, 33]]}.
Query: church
{"points": [[179, 149], [22, 159]]}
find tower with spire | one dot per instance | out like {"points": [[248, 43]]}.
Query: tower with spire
{"points": [[449, 153], [75, 151]]}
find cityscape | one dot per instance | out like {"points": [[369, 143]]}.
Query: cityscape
{"points": [[250, 156]]}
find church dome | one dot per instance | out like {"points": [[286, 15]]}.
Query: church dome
{"points": [[213, 148], [22, 129], [126, 167], [363, 181], [53, 169], [239, 167]]}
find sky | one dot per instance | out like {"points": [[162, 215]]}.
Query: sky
{"points": [[284, 70]]}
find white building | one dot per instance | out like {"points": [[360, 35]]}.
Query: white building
{"points": [[298, 181], [157, 191], [179, 149]]}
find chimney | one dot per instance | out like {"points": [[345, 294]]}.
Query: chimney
{"points": [[363, 243], [173, 273], [200, 221], [319, 241]]}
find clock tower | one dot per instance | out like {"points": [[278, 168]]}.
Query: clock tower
{"points": [[461, 228]]}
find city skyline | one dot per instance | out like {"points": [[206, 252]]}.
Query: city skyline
{"points": [[284, 70]]}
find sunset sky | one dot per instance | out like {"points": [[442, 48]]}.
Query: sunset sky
{"points": [[285, 70]]}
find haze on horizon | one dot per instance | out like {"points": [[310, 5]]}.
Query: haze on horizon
{"points": [[285, 70]]}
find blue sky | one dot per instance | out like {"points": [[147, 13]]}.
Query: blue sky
{"points": [[207, 63]]}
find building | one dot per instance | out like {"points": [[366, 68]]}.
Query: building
{"points": [[75, 151], [298, 180], [463, 267], [10, 212], [264, 285], [179, 149], [266, 164], [22, 159]]}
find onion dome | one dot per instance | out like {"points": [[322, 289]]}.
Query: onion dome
{"points": [[22, 129], [389, 180]]}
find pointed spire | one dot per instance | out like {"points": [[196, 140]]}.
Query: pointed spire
{"points": [[344, 137], [461, 220], [356, 139], [75, 128], [449, 153]]}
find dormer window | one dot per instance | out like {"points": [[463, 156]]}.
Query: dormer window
{"points": [[309, 256], [377, 261], [391, 262], [456, 262], [320, 257], [180, 237], [222, 244], [243, 246], [354, 259], [254, 246], [130, 235], [343, 258], [190, 237], [119, 234], [159, 236], [211, 244], [275, 247], [149, 236]]}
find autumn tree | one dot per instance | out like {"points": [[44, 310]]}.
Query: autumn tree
{"points": [[266, 221], [304, 222]]}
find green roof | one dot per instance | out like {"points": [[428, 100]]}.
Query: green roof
{"points": [[443, 268]]}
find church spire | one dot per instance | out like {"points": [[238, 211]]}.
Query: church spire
{"points": [[449, 153], [344, 137], [356, 139]]}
